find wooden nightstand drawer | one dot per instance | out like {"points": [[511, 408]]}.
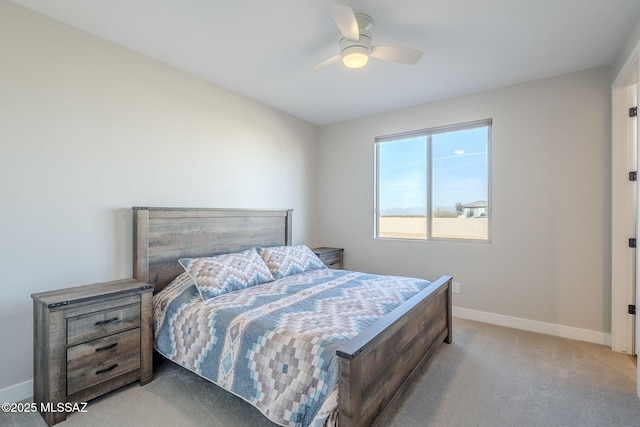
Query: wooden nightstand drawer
{"points": [[102, 350], [102, 323], [332, 257], [92, 369], [333, 260]]}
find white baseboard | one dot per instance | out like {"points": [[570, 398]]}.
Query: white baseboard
{"points": [[534, 326], [17, 392]]}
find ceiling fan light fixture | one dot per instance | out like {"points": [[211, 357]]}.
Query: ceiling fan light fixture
{"points": [[355, 57], [355, 44]]}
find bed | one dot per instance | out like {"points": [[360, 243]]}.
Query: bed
{"points": [[361, 373]]}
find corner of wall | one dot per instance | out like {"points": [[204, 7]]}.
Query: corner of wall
{"points": [[633, 38]]}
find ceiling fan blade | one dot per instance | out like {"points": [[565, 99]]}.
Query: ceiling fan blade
{"points": [[403, 55], [324, 63], [346, 21]]}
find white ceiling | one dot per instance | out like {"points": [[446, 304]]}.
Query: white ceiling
{"points": [[262, 48]]}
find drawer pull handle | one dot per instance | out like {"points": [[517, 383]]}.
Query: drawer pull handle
{"points": [[110, 368], [104, 322], [108, 347]]}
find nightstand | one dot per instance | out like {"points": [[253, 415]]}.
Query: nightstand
{"points": [[332, 257], [89, 340]]}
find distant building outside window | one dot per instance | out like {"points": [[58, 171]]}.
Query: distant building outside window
{"points": [[434, 184]]}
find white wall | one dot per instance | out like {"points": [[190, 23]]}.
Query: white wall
{"points": [[549, 259], [88, 130]]}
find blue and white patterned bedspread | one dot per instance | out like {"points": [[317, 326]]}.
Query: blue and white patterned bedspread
{"points": [[275, 344]]}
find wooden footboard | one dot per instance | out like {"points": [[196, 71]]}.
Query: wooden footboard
{"points": [[376, 366]]}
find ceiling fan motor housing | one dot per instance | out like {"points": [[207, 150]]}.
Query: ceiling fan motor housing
{"points": [[363, 45]]}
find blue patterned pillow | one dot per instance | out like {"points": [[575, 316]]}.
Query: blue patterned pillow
{"points": [[224, 273], [284, 261]]}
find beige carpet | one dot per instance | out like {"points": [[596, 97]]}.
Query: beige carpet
{"points": [[489, 376]]}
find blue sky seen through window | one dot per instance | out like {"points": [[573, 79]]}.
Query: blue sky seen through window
{"points": [[460, 172]]}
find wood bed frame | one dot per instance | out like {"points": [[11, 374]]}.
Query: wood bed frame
{"points": [[374, 367]]}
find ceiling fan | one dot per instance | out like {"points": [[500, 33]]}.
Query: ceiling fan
{"points": [[355, 44]]}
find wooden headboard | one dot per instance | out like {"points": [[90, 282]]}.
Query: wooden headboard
{"points": [[161, 236]]}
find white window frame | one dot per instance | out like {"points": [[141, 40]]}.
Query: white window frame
{"points": [[428, 133]]}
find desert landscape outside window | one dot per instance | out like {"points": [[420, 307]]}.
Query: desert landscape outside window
{"points": [[434, 184]]}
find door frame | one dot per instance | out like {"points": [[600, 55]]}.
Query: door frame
{"points": [[624, 214]]}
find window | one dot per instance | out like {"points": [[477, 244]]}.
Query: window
{"points": [[434, 184]]}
